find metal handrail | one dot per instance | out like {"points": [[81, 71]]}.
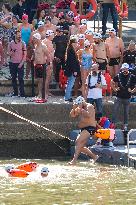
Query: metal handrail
{"points": [[128, 143]]}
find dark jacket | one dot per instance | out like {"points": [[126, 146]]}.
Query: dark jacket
{"points": [[72, 63]]}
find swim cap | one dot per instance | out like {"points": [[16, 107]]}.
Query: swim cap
{"points": [[9, 167], [87, 43], [97, 35], [37, 36], [79, 100], [44, 171]]}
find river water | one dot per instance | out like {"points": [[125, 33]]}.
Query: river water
{"points": [[83, 184]]}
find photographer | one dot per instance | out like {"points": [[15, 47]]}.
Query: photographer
{"points": [[17, 52], [94, 84], [124, 84]]}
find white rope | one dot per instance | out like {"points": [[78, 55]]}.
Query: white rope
{"points": [[33, 123]]}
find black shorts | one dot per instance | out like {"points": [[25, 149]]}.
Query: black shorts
{"points": [[114, 61], [89, 129], [102, 66], [39, 70]]}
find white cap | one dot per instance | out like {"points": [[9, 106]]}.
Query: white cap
{"points": [[9, 167], [49, 33], [73, 37], [87, 43], [125, 65], [41, 23], [97, 35], [44, 170], [81, 36], [70, 14], [83, 21], [79, 100], [89, 32], [37, 36], [112, 30]]}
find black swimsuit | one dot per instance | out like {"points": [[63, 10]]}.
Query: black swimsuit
{"points": [[89, 129]]}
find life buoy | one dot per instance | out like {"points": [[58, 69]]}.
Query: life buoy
{"points": [[123, 13], [105, 134], [28, 167], [89, 15], [18, 173]]}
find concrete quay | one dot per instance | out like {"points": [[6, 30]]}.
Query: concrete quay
{"points": [[21, 139]]}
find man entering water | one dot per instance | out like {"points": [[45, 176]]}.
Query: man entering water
{"points": [[87, 124]]}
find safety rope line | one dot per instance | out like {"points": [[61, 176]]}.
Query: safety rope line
{"points": [[61, 148], [33, 123]]}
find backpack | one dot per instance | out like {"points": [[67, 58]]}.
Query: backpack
{"points": [[98, 80]]}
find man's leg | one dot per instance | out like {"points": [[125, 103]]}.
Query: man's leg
{"points": [[99, 106], [114, 16], [21, 81], [116, 107], [90, 100], [14, 70], [80, 143], [126, 103], [105, 17]]}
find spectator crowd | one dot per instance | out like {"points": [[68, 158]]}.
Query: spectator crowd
{"points": [[59, 42]]}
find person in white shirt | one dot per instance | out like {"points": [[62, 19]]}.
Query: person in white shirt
{"points": [[95, 82]]}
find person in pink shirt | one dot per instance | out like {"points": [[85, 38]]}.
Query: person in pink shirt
{"points": [[17, 52]]}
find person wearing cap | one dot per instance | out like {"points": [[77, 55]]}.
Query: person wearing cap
{"points": [[124, 85], [87, 124], [86, 64], [17, 52], [116, 50], [95, 82], [60, 42], [41, 60], [26, 29], [72, 67], [70, 18], [40, 30], [48, 42], [129, 56], [100, 52], [20, 8], [89, 35], [40, 16], [49, 25], [74, 29], [108, 5]]}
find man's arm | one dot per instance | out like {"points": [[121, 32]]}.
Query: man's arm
{"points": [[75, 111], [113, 86]]}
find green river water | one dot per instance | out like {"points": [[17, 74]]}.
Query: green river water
{"points": [[83, 184]]}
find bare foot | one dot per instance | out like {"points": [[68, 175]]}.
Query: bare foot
{"points": [[96, 158], [72, 163]]}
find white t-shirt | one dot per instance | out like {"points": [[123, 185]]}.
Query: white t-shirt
{"points": [[95, 93]]}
